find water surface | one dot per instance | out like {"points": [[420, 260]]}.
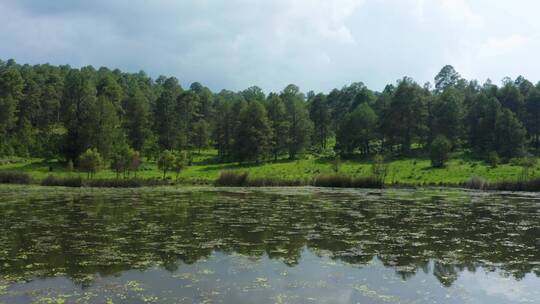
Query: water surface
{"points": [[289, 245]]}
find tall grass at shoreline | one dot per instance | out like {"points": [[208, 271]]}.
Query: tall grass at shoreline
{"points": [[205, 170], [9, 177], [102, 183], [242, 179], [344, 181]]}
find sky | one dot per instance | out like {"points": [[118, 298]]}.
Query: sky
{"points": [[316, 44]]}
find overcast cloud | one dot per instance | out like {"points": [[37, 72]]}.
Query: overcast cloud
{"points": [[316, 44]]}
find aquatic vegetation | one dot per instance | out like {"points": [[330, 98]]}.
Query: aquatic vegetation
{"points": [[110, 245]]}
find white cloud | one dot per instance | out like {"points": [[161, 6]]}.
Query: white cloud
{"points": [[495, 47], [317, 44], [460, 11]]}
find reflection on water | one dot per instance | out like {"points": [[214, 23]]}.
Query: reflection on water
{"points": [[267, 246]]}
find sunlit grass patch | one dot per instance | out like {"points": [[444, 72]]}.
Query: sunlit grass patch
{"points": [[205, 170]]}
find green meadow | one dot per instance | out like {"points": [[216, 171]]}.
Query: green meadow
{"points": [[205, 169]]}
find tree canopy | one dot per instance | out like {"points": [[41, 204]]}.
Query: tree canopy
{"points": [[62, 112]]}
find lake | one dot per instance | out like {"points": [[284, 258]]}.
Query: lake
{"points": [[281, 245]]}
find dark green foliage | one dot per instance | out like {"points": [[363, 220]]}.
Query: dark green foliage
{"points": [[447, 77], [447, 115], [201, 134], [507, 185], [11, 86], [319, 112], [344, 181], [123, 183], [78, 110], [273, 182], [7, 177], [337, 181], [482, 119], [404, 121], [181, 160], [439, 152], [52, 180], [166, 114], [137, 121], [357, 131], [532, 116], [135, 161], [90, 162], [126, 161], [277, 116], [166, 162], [228, 105], [78, 182], [300, 125], [253, 134], [510, 135], [242, 179], [58, 112]]}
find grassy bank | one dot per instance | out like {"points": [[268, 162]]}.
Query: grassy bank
{"points": [[205, 171]]}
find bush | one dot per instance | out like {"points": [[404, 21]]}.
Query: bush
{"points": [[166, 162], [124, 183], [344, 181], [232, 179], [90, 162], [62, 181], [476, 182], [272, 182], [15, 178], [101, 183], [372, 182], [440, 149], [334, 181]]}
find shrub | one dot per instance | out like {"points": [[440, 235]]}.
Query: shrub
{"points": [[335, 181], [166, 162], [527, 162], [125, 160], [8, 177], [476, 182], [273, 182], [101, 183], [135, 161], [232, 179], [344, 181], [440, 149], [180, 161], [120, 161], [373, 182], [124, 183], [379, 169], [90, 162], [62, 181]]}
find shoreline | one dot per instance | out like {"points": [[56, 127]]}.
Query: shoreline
{"points": [[136, 183]]}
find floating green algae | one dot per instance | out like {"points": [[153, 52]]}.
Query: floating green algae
{"points": [[282, 245]]}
